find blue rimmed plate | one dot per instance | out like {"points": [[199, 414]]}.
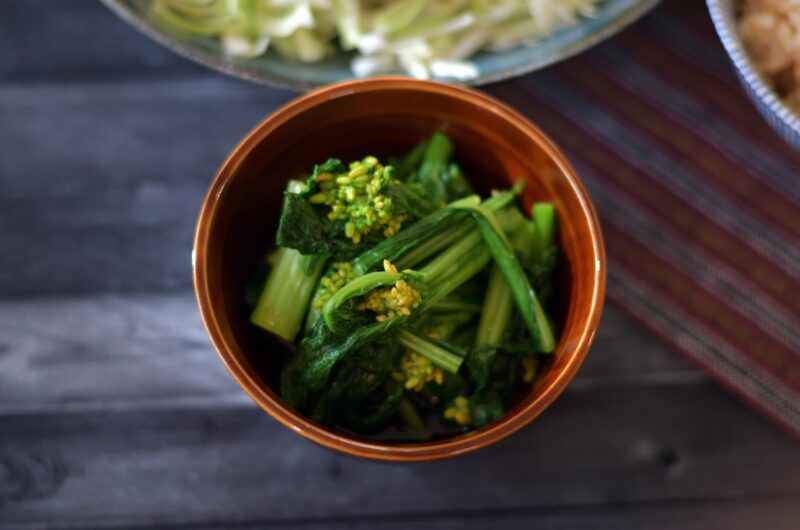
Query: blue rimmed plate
{"points": [[612, 16]]}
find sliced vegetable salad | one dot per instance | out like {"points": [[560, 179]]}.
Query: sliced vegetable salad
{"points": [[426, 38]]}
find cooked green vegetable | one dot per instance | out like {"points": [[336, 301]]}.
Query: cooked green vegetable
{"points": [[432, 303], [445, 356], [343, 210], [282, 305]]}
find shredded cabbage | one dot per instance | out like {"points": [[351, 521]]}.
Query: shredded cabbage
{"points": [[426, 38]]}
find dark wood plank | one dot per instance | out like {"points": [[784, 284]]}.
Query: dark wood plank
{"points": [[122, 352], [108, 352], [61, 41], [610, 447], [103, 183], [775, 514]]}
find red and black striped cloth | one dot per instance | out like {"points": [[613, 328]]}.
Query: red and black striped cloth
{"points": [[699, 199]]}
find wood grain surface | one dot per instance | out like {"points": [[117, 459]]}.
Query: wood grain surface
{"points": [[116, 413]]}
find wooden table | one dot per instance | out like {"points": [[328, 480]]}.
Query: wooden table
{"points": [[115, 412]]}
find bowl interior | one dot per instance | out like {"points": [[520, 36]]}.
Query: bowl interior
{"points": [[244, 204]]}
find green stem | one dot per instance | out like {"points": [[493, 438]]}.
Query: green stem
{"points": [[418, 239], [521, 291], [524, 241], [455, 304], [445, 324], [497, 304], [284, 300], [440, 149], [434, 352], [428, 248], [285, 297], [411, 161], [434, 232], [452, 256], [496, 310], [544, 217], [433, 170], [475, 261], [452, 244], [500, 200], [511, 220]]}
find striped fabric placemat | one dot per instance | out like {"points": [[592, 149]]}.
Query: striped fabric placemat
{"points": [[699, 199]]}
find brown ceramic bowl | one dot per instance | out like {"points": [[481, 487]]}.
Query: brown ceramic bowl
{"points": [[494, 144]]}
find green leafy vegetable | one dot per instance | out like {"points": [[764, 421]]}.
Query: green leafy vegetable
{"points": [[342, 210], [281, 307], [406, 165], [446, 356], [521, 291], [441, 179], [419, 298]]}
